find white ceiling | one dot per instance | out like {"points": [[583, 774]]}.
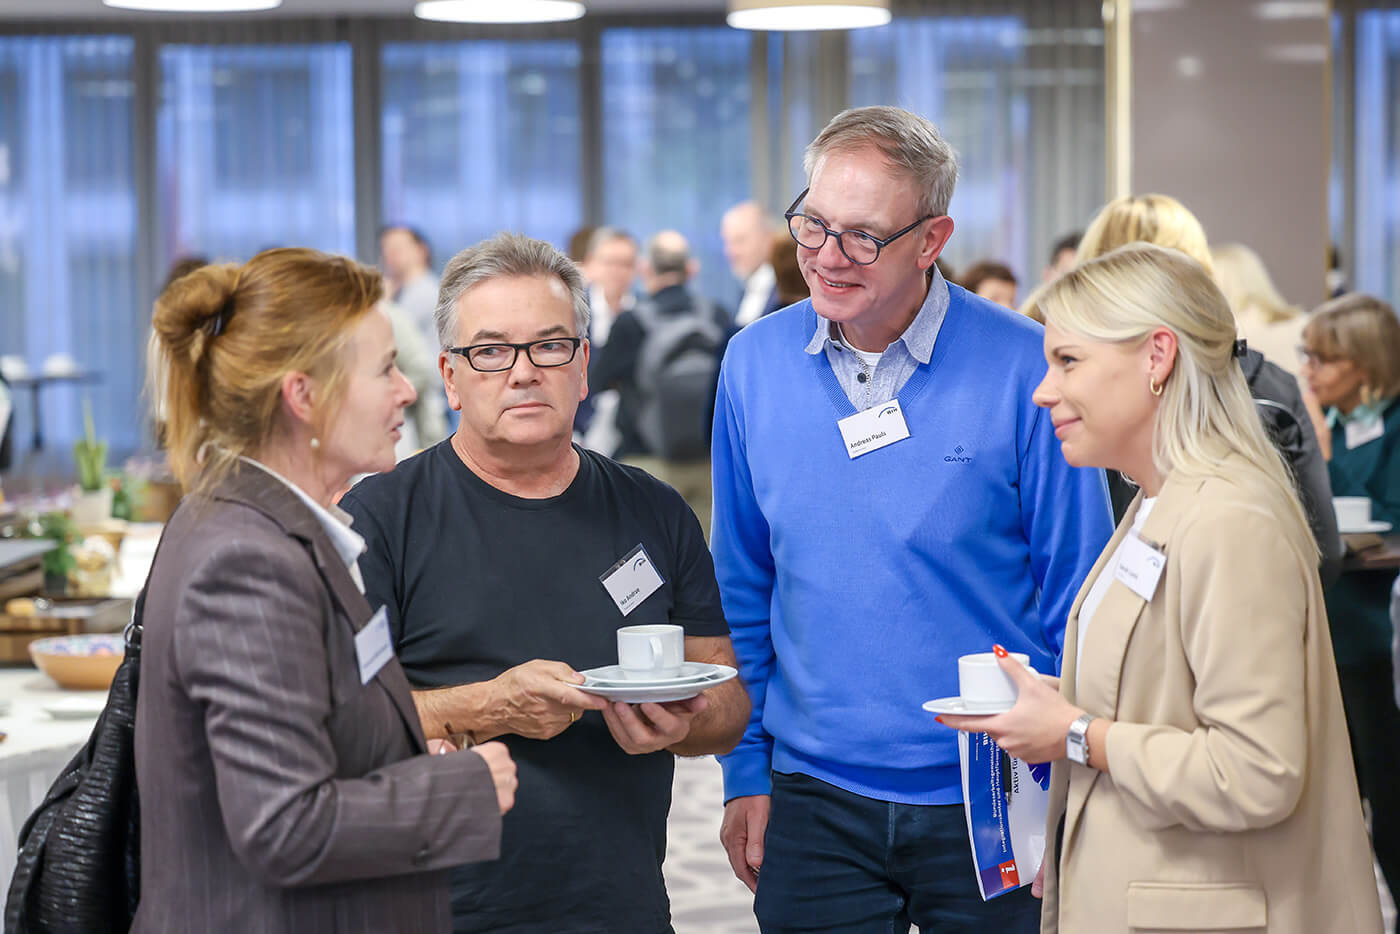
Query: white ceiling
{"points": [[13, 10]]}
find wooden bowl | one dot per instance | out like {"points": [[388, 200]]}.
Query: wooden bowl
{"points": [[81, 663]]}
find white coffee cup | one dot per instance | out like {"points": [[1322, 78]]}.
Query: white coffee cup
{"points": [[650, 652], [1353, 512], [983, 686]]}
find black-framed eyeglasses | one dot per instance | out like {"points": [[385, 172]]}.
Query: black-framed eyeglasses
{"points": [[858, 246], [496, 358]]}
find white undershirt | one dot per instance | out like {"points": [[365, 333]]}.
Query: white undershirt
{"points": [[871, 357], [1109, 573]]}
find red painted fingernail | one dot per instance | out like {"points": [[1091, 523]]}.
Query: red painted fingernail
{"points": [[1001, 652], [940, 720]]}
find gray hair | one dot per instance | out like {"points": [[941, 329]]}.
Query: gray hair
{"points": [[668, 254], [905, 139], [506, 255]]}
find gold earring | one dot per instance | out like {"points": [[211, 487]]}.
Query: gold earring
{"points": [[1155, 386]]}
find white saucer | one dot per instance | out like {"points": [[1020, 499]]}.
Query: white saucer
{"points": [[76, 708], [955, 705], [658, 694], [1373, 525], [614, 675]]}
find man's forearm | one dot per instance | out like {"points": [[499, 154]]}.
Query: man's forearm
{"points": [[718, 728], [463, 708]]}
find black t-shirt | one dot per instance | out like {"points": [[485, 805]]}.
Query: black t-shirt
{"points": [[477, 581]]}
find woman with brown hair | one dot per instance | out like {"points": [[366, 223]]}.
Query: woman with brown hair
{"points": [[279, 757], [1351, 359]]}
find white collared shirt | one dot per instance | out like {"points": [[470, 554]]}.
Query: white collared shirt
{"points": [[348, 543], [758, 288]]}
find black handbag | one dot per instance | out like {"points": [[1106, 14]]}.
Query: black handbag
{"points": [[80, 851]]}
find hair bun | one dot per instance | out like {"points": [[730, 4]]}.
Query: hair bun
{"points": [[194, 308]]}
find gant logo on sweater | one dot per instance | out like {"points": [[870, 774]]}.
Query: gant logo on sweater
{"points": [[957, 457]]}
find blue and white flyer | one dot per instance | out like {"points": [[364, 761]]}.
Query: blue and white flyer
{"points": [[1005, 800]]}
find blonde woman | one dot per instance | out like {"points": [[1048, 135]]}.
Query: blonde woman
{"points": [[1201, 775], [1351, 354], [1294, 422], [1271, 325]]}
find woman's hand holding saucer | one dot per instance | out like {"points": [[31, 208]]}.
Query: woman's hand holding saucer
{"points": [[1034, 729]]}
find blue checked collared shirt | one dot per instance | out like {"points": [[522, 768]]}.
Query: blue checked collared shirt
{"points": [[900, 359]]}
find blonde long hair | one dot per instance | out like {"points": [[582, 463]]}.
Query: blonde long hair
{"points": [[1159, 219], [1246, 283], [224, 336], [1206, 412]]}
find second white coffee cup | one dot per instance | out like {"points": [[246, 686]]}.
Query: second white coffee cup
{"points": [[983, 686], [655, 651]]}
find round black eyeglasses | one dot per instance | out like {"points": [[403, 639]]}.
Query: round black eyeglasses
{"points": [[856, 245]]}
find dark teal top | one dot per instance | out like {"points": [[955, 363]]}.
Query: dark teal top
{"points": [[1358, 605]]}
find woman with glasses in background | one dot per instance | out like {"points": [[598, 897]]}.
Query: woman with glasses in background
{"points": [[1351, 360]]}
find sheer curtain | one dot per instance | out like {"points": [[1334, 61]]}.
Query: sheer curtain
{"points": [[68, 231], [1376, 155], [255, 149], [480, 136], [676, 137], [1016, 87]]}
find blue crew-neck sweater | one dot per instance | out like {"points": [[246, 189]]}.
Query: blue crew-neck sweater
{"points": [[852, 586]]}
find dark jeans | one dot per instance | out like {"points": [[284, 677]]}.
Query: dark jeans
{"points": [[1373, 720], [836, 861]]}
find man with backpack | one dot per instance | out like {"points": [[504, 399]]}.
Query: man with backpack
{"points": [[662, 357]]}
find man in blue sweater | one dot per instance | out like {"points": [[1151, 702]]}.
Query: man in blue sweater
{"points": [[887, 498]]}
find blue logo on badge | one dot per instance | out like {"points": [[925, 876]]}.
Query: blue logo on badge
{"points": [[639, 562], [887, 410]]}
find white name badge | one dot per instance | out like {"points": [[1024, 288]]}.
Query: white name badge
{"points": [[631, 580], [877, 427], [1359, 432], [1140, 566], [372, 645]]}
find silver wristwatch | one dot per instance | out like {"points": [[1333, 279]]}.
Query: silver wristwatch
{"points": [[1077, 740]]}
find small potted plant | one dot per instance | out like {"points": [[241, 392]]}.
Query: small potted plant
{"points": [[92, 501], [59, 562]]}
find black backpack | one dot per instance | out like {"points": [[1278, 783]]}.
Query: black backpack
{"points": [[79, 852], [675, 379]]}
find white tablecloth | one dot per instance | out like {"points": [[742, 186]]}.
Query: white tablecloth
{"points": [[35, 750]]}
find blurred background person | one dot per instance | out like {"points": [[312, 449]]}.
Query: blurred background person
{"points": [[282, 795], [609, 270], [1351, 359], [790, 286], [1197, 731], [1264, 318], [993, 281], [747, 232], [578, 244], [425, 419], [1165, 221], [1062, 257], [662, 359], [408, 276]]}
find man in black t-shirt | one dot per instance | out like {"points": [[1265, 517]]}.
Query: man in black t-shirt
{"points": [[488, 551]]}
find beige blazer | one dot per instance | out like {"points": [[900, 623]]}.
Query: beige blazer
{"points": [[1230, 803]]}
